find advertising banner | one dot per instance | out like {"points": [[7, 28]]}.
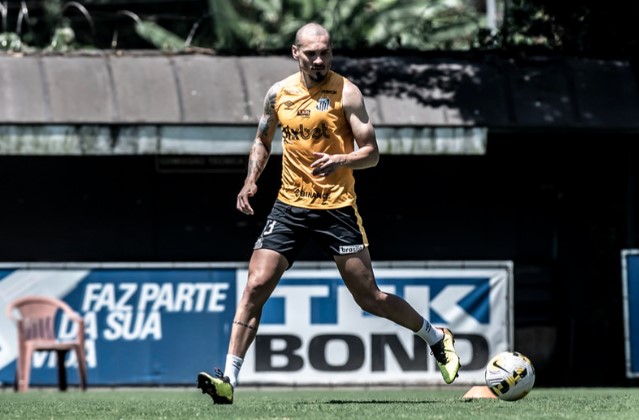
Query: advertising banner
{"points": [[144, 324], [160, 324], [312, 332], [630, 280]]}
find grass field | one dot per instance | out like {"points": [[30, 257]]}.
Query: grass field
{"points": [[431, 403]]}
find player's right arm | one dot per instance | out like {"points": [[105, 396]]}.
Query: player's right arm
{"points": [[260, 150]]}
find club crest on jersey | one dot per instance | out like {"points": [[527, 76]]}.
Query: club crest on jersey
{"points": [[323, 104]]}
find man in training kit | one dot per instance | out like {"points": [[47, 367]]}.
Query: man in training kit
{"points": [[322, 115]]}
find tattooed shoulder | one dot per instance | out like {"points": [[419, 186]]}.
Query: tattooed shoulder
{"points": [[271, 95]]}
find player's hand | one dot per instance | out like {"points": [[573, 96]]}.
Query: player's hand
{"points": [[242, 204], [326, 164]]}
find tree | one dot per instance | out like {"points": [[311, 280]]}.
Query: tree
{"points": [[576, 27], [257, 26], [267, 25]]}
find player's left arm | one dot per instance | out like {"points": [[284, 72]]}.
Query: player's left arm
{"points": [[367, 153]]}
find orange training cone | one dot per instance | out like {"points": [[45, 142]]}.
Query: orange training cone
{"points": [[479, 392]]}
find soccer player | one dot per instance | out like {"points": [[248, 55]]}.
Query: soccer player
{"points": [[326, 135]]}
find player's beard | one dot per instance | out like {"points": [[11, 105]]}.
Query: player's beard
{"points": [[316, 76]]}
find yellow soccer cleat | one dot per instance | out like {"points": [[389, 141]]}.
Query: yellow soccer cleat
{"points": [[218, 387], [446, 356]]}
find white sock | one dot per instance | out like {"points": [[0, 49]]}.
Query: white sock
{"points": [[232, 368], [430, 334]]}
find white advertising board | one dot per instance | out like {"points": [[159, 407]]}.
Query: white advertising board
{"points": [[312, 331]]}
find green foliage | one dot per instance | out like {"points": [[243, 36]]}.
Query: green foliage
{"points": [[254, 26], [10, 41], [250, 26], [62, 39], [158, 36], [583, 27], [354, 24]]}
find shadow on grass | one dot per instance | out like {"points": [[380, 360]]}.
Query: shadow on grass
{"points": [[376, 402]]}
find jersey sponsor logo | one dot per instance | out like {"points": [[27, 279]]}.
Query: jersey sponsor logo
{"points": [[311, 194], [323, 104], [290, 133], [304, 113], [350, 249]]}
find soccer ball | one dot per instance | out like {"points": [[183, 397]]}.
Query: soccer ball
{"points": [[510, 375]]}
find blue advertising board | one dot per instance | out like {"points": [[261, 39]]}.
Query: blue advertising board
{"points": [[630, 279], [143, 325], [160, 324]]}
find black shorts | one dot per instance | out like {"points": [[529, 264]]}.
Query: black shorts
{"points": [[288, 228]]}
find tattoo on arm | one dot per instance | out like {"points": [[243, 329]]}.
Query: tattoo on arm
{"points": [[245, 325], [260, 151], [257, 159], [268, 119]]}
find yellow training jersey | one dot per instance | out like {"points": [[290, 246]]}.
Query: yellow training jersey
{"points": [[312, 120]]}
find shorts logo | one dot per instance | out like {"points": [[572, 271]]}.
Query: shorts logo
{"points": [[350, 249], [258, 243]]}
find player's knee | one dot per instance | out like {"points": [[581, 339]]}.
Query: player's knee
{"points": [[255, 294], [371, 303]]}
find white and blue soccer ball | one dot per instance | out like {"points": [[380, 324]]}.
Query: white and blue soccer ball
{"points": [[510, 375]]}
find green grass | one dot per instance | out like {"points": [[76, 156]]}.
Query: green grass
{"points": [[321, 403]]}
